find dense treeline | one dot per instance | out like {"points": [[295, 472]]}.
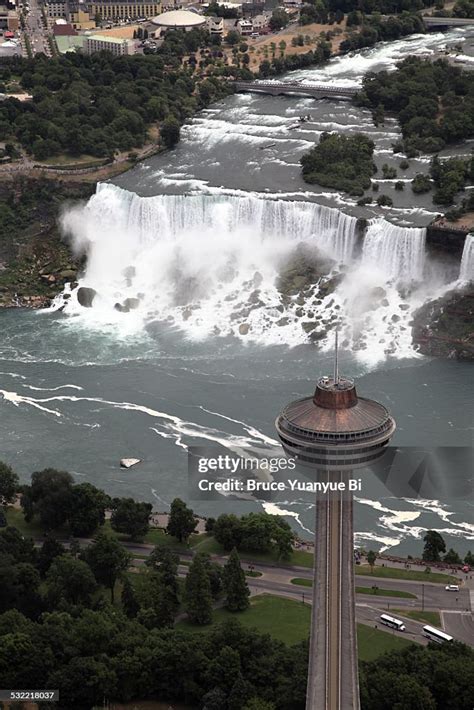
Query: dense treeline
{"points": [[96, 105], [61, 626], [428, 678], [342, 162], [433, 101], [255, 532], [332, 10], [376, 29], [279, 65]]}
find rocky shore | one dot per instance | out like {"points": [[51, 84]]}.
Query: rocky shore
{"points": [[445, 327], [34, 261]]}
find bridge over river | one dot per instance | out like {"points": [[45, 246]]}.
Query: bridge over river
{"points": [[447, 22], [316, 91]]}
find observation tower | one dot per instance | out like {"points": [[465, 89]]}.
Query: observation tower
{"points": [[334, 433]]}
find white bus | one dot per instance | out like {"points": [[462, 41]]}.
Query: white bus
{"points": [[393, 623], [436, 635]]}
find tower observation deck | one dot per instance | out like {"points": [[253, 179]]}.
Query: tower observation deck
{"points": [[334, 432]]}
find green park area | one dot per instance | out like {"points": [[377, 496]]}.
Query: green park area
{"points": [[302, 582], [288, 621], [399, 573]]}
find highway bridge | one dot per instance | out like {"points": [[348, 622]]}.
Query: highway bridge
{"points": [[315, 91], [447, 22]]}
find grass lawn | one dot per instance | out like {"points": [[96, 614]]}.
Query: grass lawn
{"points": [[64, 159], [429, 617], [206, 543], [397, 573], [284, 619], [15, 518], [301, 582], [385, 592], [288, 621], [371, 643]]}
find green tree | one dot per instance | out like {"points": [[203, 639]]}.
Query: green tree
{"points": [[452, 557], [170, 132], [131, 518], [129, 600], [88, 505], [8, 484], [279, 19], [228, 531], [258, 704], [469, 559], [181, 521], [232, 37], [197, 593], [371, 557], [49, 498], [85, 682], [14, 544], [50, 549], [107, 559], [69, 579], [434, 546], [235, 585]]}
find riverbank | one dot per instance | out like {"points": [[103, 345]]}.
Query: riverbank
{"points": [[34, 260]]}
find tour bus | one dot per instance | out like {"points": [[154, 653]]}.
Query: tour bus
{"points": [[436, 635], [393, 623]]}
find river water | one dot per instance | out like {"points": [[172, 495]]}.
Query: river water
{"points": [[197, 238]]}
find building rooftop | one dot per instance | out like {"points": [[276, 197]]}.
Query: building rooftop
{"points": [[179, 18]]}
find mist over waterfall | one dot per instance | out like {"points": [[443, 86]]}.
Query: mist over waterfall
{"points": [[466, 271], [272, 271]]}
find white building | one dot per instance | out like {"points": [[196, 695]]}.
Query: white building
{"points": [[245, 27], [215, 25], [115, 45]]}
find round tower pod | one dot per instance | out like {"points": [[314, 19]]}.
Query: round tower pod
{"points": [[335, 428]]}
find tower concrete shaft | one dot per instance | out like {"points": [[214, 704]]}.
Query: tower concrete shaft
{"points": [[331, 434], [332, 674]]}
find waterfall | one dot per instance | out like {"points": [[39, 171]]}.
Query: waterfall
{"points": [[396, 251], [168, 217], [227, 265], [466, 272]]}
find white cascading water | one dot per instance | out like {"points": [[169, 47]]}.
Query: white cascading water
{"points": [[466, 271], [397, 252], [210, 264]]}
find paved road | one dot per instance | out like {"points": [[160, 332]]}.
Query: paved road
{"points": [[36, 31]]}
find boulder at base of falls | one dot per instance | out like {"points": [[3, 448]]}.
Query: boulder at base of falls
{"points": [[85, 296], [444, 327], [303, 268], [128, 305], [128, 463], [244, 328]]}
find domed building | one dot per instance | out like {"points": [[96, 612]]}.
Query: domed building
{"points": [[179, 20]]}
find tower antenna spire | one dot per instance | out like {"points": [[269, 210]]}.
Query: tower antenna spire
{"points": [[336, 360]]}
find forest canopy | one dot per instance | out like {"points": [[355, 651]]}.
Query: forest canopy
{"points": [[433, 101], [342, 162]]}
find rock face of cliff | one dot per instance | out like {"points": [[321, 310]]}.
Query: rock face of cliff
{"points": [[34, 262], [445, 327]]}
